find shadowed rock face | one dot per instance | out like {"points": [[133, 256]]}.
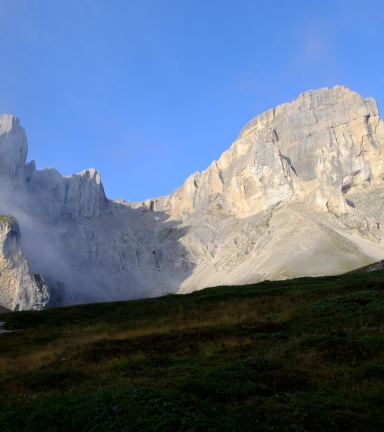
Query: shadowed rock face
{"points": [[298, 193]]}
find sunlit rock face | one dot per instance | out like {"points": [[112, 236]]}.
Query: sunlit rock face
{"points": [[334, 136], [19, 288], [300, 192]]}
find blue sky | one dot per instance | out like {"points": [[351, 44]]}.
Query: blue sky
{"points": [[148, 92]]}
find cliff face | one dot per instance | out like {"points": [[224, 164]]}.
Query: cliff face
{"points": [[333, 136], [299, 192], [13, 149], [19, 289]]}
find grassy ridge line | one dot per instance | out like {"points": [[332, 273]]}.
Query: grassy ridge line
{"points": [[114, 311], [302, 354]]}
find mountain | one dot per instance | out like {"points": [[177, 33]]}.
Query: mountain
{"points": [[299, 193]]}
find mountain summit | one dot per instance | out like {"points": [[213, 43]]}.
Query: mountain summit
{"points": [[299, 193]]}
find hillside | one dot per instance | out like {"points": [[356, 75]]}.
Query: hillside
{"points": [[297, 355]]}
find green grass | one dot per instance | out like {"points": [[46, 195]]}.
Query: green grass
{"points": [[298, 355], [4, 218]]}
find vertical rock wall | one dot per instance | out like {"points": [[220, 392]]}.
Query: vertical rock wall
{"points": [[19, 288]]}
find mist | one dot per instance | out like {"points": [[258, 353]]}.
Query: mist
{"points": [[86, 247]]}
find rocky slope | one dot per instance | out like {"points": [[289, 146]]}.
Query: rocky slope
{"points": [[298, 193]]}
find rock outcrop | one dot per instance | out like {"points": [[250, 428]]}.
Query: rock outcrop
{"points": [[19, 288], [300, 192]]}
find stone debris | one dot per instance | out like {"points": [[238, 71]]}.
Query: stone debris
{"points": [[376, 267]]}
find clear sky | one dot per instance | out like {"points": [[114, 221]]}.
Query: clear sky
{"points": [[150, 91]]}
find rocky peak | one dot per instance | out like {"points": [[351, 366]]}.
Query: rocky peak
{"points": [[330, 135], [7, 121], [13, 148], [85, 195], [81, 195]]}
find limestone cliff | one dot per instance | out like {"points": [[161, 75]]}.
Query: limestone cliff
{"points": [[333, 136], [300, 192], [19, 289], [13, 149]]}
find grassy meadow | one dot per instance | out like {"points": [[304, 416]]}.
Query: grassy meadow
{"points": [[298, 355]]}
